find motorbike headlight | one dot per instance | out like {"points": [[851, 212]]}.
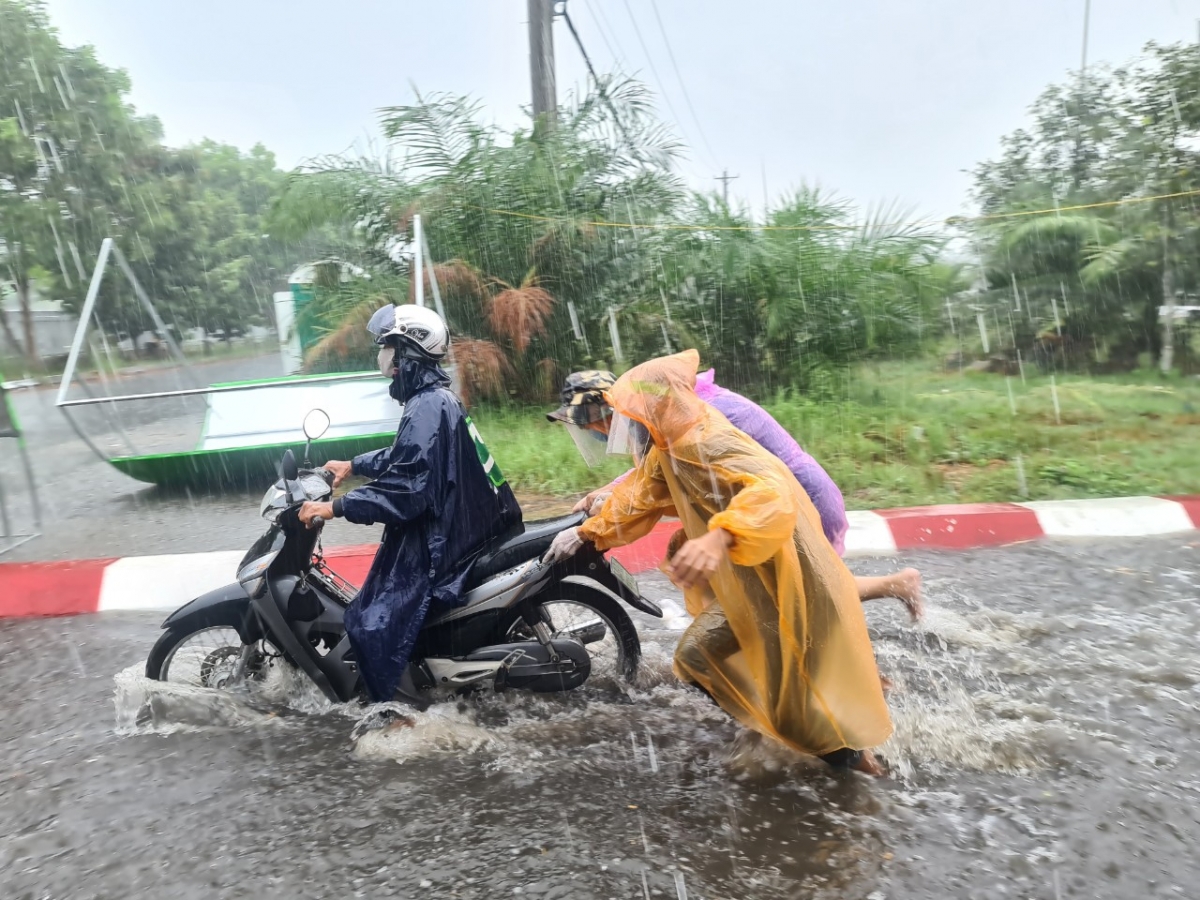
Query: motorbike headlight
{"points": [[255, 570]]}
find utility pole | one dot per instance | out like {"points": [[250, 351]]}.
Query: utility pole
{"points": [[541, 60], [725, 178]]}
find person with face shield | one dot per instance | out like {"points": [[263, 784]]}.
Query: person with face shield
{"points": [[779, 639], [437, 491], [586, 415]]}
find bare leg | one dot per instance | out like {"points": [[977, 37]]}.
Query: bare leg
{"points": [[904, 585]]}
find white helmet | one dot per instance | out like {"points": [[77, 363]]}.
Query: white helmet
{"points": [[411, 327]]}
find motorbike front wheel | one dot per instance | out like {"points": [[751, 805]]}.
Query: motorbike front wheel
{"points": [[209, 656], [594, 619]]}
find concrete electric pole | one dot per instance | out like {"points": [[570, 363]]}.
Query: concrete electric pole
{"points": [[725, 178], [541, 60]]}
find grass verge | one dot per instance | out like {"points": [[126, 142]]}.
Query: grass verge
{"points": [[905, 434]]}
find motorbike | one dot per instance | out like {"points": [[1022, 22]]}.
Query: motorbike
{"points": [[522, 625]]}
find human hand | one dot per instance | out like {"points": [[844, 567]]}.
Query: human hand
{"points": [[565, 545], [598, 502], [696, 561], [340, 470], [584, 504], [310, 512]]}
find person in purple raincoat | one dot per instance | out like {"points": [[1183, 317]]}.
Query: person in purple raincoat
{"points": [[585, 413]]}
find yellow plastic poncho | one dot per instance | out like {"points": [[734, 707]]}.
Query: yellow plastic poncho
{"points": [[801, 669]]}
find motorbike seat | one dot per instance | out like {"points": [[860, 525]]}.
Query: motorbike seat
{"points": [[522, 543]]}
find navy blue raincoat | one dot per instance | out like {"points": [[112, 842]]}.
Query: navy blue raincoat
{"points": [[441, 497]]}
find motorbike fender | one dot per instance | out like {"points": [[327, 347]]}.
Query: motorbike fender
{"points": [[202, 608], [637, 601], [590, 564]]}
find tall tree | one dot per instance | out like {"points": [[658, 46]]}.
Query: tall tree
{"points": [[69, 148], [1131, 134]]}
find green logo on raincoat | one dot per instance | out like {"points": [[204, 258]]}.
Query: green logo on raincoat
{"points": [[485, 456]]}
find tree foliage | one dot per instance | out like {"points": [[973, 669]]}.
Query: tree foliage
{"points": [[1127, 134], [546, 240], [78, 164]]}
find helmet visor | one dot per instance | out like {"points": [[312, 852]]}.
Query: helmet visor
{"points": [[590, 443], [382, 321]]}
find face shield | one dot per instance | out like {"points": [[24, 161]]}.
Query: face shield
{"points": [[589, 442], [628, 437]]}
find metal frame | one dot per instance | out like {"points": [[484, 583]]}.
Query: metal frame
{"points": [[10, 540], [109, 248]]}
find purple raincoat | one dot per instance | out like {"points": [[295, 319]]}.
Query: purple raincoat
{"points": [[749, 417]]}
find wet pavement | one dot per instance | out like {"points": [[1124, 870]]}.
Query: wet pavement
{"points": [[1043, 711]]}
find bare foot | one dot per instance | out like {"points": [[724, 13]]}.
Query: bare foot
{"points": [[907, 589], [869, 765]]}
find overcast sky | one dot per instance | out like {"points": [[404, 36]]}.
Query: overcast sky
{"points": [[877, 100]]}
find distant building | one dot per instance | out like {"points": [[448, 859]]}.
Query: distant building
{"points": [[53, 327]]}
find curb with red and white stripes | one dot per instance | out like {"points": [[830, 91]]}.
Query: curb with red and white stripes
{"points": [[166, 582]]}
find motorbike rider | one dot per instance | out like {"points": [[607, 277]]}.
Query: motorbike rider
{"points": [[586, 415], [437, 491]]}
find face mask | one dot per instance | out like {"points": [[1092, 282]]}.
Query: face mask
{"points": [[387, 362]]}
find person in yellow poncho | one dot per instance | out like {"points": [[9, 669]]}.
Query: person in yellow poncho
{"points": [[779, 639]]}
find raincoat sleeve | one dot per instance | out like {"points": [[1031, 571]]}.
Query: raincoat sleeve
{"points": [[402, 491], [761, 516], [634, 508], [371, 465]]}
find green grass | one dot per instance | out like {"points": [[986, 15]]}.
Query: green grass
{"points": [[906, 434]]}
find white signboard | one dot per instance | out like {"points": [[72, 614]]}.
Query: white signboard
{"points": [[274, 413]]}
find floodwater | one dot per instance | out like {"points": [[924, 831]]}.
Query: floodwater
{"points": [[1043, 712]]}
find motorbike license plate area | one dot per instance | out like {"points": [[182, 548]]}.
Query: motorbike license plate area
{"points": [[622, 575]]}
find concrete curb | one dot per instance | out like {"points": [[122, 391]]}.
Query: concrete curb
{"points": [[166, 582]]}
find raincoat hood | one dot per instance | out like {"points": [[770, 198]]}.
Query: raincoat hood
{"points": [[414, 376], [661, 394]]}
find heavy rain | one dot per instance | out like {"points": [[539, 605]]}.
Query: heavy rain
{"points": [[773, 436]]}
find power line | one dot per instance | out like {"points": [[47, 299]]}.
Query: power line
{"points": [[926, 223], [599, 84], [650, 59], [687, 97], [599, 14], [617, 57]]}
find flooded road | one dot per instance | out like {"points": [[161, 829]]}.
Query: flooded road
{"points": [[1044, 712]]}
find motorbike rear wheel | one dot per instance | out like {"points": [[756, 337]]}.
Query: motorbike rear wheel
{"points": [[593, 618]]}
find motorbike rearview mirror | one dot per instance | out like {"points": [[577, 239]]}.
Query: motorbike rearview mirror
{"points": [[316, 423]]}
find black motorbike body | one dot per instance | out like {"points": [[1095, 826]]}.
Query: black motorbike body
{"points": [[297, 605]]}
